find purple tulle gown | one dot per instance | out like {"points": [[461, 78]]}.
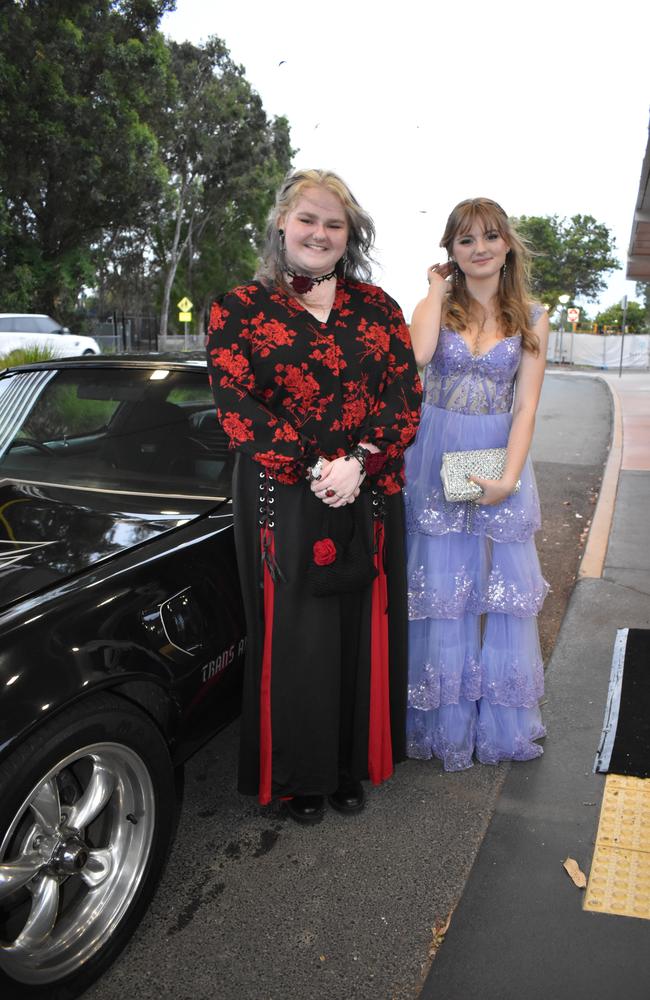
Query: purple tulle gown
{"points": [[475, 585]]}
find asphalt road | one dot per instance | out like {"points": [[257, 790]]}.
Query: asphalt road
{"points": [[254, 907]]}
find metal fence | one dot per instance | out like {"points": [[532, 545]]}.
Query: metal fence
{"points": [[139, 334], [124, 332]]}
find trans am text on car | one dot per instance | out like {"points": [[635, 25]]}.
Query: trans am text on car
{"points": [[121, 644]]}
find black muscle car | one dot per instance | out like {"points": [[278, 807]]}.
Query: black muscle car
{"points": [[121, 645]]}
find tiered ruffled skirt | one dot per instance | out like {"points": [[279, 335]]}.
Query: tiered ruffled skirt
{"points": [[475, 588]]}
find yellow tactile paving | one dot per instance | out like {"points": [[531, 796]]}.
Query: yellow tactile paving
{"points": [[619, 881], [625, 814]]}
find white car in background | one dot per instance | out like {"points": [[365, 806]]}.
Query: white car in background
{"points": [[30, 329]]}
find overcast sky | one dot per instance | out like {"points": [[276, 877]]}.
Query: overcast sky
{"points": [[543, 107]]}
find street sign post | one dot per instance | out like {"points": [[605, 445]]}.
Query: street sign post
{"points": [[185, 315], [623, 325], [562, 300], [573, 316]]}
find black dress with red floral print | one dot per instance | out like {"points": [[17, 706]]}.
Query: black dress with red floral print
{"points": [[289, 387], [326, 677]]}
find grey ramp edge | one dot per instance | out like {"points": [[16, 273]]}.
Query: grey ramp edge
{"points": [[628, 555]]}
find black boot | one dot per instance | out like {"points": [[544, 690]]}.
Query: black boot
{"points": [[306, 808], [349, 797]]}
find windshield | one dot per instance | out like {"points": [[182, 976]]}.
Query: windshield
{"points": [[116, 429]]}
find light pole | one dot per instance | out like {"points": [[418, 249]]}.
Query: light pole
{"points": [[623, 323], [562, 299]]}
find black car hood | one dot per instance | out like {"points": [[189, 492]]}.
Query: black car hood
{"points": [[50, 533]]}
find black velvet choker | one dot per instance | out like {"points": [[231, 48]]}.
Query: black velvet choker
{"points": [[303, 283]]}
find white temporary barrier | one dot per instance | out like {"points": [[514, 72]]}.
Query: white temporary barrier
{"points": [[599, 351]]}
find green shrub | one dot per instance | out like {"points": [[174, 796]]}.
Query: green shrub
{"points": [[26, 356]]}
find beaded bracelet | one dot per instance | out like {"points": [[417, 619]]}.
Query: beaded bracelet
{"points": [[361, 454]]}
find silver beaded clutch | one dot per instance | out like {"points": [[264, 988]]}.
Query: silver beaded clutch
{"points": [[487, 463]]}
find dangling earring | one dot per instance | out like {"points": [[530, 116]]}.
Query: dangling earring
{"points": [[456, 275], [343, 261], [282, 253], [504, 271]]}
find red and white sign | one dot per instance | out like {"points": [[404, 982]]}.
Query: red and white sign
{"points": [[573, 315]]}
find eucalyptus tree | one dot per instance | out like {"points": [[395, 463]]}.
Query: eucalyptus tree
{"points": [[81, 85], [224, 158]]}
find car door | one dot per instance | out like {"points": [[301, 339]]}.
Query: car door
{"points": [[17, 332], [121, 476], [196, 623]]}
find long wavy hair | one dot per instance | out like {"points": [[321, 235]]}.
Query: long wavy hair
{"points": [[356, 262], [513, 298]]}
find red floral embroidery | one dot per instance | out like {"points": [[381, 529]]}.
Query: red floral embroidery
{"points": [[244, 293], [372, 294], [285, 470], [390, 484], [356, 405], [218, 316], [285, 432], [324, 552], [268, 334], [328, 352], [375, 338], [238, 374], [341, 305], [276, 375], [396, 372], [401, 331], [354, 413], [303, 399], [286, 303], [238, 429]]}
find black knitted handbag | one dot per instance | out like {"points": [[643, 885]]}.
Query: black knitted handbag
{"points": [[341, 557]]}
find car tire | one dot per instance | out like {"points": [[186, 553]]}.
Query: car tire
{"points": [[88, 815], [88, 351]]}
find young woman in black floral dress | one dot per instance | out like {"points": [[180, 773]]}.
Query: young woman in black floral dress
{"points": [[316, 387]]}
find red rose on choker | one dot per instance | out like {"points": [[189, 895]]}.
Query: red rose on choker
{"points": [[301, 283], [324, 552]]}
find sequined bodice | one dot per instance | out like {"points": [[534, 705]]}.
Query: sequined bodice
{"points": [[456, 379]]}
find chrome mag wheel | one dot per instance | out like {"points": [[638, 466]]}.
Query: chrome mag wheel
{"points": [[72, 859]]}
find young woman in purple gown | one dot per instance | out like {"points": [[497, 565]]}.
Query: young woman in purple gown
{"points": [[475, 584]]}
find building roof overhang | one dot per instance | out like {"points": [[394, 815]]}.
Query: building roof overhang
{"points": [[638, 255]]}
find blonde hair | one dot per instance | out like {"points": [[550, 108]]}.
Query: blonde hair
{"points": [[513, 298], [356, 262]]}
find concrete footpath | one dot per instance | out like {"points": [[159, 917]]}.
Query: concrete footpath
{"points": [[519, 929]]}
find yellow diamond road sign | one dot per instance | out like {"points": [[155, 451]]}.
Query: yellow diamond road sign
{"points": [[185, 305]]}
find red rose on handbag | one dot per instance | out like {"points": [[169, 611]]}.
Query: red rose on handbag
{"points": [[343, 560], [324, 552]]}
